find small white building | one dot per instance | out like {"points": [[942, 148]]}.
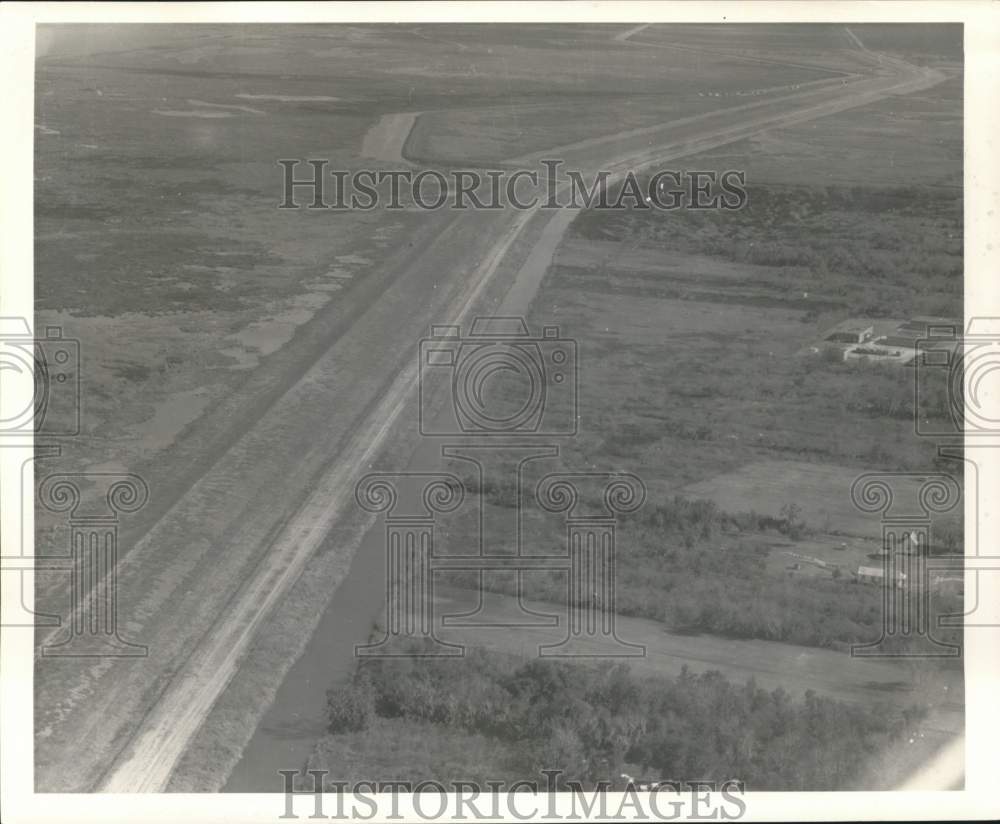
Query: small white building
{"points": [[849, 332], [876, 575]]}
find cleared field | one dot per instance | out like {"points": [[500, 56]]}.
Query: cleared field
{"points": [[901, 141], [822, 492]]}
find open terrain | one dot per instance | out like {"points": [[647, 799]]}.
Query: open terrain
{"points": [[249, 361], [655, 320]]}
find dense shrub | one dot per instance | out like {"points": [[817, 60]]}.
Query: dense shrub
{"points": [[696, 568], [351, 707], [888, 252], [594, 722]]}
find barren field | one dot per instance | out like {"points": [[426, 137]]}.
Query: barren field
{"points": [[821, 491]]}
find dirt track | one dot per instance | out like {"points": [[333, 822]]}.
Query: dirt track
{"points": [[198, 608]]}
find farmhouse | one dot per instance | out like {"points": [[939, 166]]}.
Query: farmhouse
{"points": [[890, 341], [851, 332]]}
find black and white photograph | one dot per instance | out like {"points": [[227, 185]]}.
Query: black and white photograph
{"points": [[501, 416]]}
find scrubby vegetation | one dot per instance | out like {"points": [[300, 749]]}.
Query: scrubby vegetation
{"points": [[593, 723], [873, 252], [696, 568], [823, 253]]}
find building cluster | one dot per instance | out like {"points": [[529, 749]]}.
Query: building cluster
{"points": [[899, 345]]}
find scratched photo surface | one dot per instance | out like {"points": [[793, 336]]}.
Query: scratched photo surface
{"points": [[452, 402]]}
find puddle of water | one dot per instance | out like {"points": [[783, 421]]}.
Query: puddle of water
{"points": [[170, 417], [267, 336], [244, 358]]}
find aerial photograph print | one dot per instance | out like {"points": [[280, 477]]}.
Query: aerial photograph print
{"points": [[453, 405]]}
